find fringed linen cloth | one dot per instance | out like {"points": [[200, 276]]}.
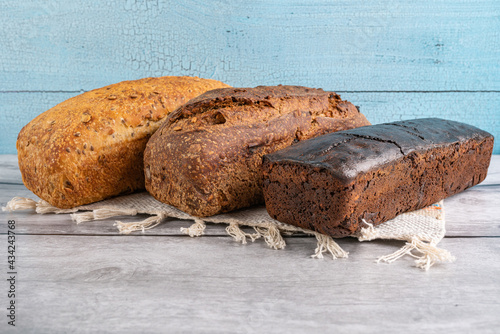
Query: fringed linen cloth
{"points": [[422, 229]]}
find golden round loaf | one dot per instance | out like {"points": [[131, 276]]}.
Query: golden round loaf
{"points": [[90, 147]]}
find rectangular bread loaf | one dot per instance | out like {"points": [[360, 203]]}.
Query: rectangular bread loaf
{"points": [[331, 183], [91, 146], [206, 157]]}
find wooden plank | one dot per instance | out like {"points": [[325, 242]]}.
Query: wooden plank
{"points": [[214, 285], [474, 212], [474, 108], [493, 176], [355, 45], [18, 109], [29, 222], [62, 224], [471, 213], [9, 169]]}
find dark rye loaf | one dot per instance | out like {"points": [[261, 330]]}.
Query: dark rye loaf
{"points": [[331, 183], [206, 158]]}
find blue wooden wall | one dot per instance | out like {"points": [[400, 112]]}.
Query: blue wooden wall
{"points": [[395, 59]]}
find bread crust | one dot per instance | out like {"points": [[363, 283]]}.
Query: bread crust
{"points": [[90, 147], [206, 158], [336, 183]]}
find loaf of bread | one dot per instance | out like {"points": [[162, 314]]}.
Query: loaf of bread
{"points": [[330, 184], [206, 157], [91, 146]]}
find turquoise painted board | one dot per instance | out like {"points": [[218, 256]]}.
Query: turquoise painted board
{"points": [[472, 108], [396, 59], [346, 45]]}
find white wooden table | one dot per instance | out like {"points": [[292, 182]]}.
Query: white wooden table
{"points": [[88, 278]]}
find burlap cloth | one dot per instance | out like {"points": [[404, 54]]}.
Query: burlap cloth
{"points": [[422, 229]]}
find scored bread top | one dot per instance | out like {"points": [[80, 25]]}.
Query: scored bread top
{"points": [[90, 147], [244, 106]]}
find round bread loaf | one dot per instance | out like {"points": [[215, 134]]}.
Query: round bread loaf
{"points": [[90, 147], [206, 157]]}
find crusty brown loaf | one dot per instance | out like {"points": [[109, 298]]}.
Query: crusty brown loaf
{"points": [[90, 147], [330, 184], [206, 158]]}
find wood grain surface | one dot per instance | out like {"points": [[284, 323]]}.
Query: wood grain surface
{"points": [[463, 219], [86, 278], [72, 284], [396, 59]]}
